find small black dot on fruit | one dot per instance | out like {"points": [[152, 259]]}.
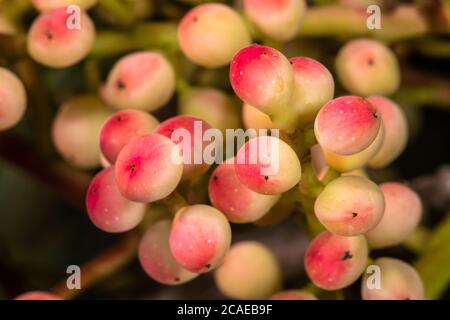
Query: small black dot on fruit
{"points": [[133, 167], [120, 84], [375, 115], [48, 34], [177, 279], [215, 178], [263, 53], [208, 266], [119, 119], [347, 255], [354, 214], [370, 62], [266, 178]]}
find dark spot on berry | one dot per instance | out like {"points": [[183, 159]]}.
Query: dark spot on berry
{"points": [[291, 62], [370, 62], [195, 19], [354, 214], [266, 178], [177, 279], [375, 115], [119, 119], [133, 167], [208, 266], [48, 34], [120, 85], [347, 255], [94, 190], [407, 298], [215, 178], [263, 53]]}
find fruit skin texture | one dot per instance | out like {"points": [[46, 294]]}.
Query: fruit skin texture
{"points": [[249, 271], [37, 295], [45, 5], [347, 125], [200, 237], [293, 295], [169, 127], [76, 130], [107, 208], [279, 19], [357, 160], [52, 43], [210, 34], [142, 80], [350, 206], [399, 281], [212, 106], [253, 118], [314, 87], [334, 262], [367, 67], [13, 99], [263, 77], [396, 131], [268, 165], [145, 170], [157, 260], [234, 199], [401, 216], [121, 127]]}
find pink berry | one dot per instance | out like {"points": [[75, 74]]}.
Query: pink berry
{"points": [[121, 127], [262, 77], [141, 80], [187, 132], [396, 131], [13, 99], [350, 206], [52, 43], [347, 125], [358, 160], [293, 295], [398, 281], [45, 5], [107, 208], [200, 238], [314, 87], [210, 34], [253, 118], [37, 295], [279, 19], [334, 262], [213, 106], [148, 168], [234, 199], [156, 258], [249, 271], [401, 216], [268, 165], [367, 67], [76, 130]]}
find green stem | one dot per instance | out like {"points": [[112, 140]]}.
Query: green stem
{"points": [[174, 202], [119, 11]]}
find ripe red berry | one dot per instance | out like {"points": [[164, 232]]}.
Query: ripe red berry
{"points": [[52, 42], [347, 125], [148, 168], [157, 259], [262, 77], [107, 208], [13, 99], [210, 34], [200, 238], [141, 80], [187, 132], [76, 130], [279, 19], [334, 262], [234, 199], [120, 128], [401, 216]]}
